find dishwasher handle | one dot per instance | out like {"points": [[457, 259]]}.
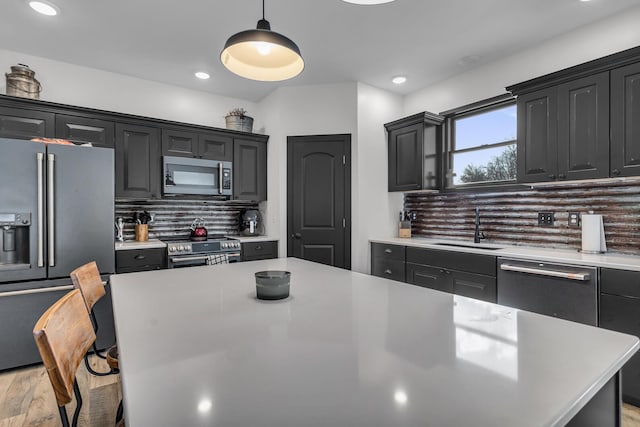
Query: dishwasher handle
{"points": [[581, 277]]}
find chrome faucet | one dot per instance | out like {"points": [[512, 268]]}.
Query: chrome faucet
{"points": [[479, 235]]}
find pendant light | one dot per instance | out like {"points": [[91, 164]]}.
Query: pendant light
{"points": [[262, 54]]}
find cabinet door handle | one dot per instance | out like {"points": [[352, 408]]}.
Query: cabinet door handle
{"points": [[552, 176], [562, 176], [447, 272], [387, 271], [442, 271], [615, 172], [387, 251], [258, 248], [139, 257]]}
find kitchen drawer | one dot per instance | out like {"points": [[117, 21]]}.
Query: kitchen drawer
{"points": [[620, 282], [388, 268], [253, 251], [129, 261], [429, 277], [471, 263], [476, 286], [384, 251]]}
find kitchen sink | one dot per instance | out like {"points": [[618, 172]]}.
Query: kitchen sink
{"points": [[469, 245]]}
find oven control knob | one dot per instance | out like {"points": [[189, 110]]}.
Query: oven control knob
{"points": [[181, 248], [172, 249], [224, 245]]}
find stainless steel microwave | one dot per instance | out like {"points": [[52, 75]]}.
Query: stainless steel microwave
{"points": [[183, 175]]}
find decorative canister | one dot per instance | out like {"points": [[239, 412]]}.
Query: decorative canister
{"points": [[21, 82], [241, 123]]}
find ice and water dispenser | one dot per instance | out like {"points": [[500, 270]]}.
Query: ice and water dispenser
{"points": [[14, 228]]}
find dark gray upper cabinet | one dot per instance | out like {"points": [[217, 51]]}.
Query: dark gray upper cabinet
{"points": [[537, 136], [215, 146], [100, 133], [582, 122], [137, 161], [563, 131], [203, 145], [250, 169], [25, 124], [625, 120], [179, 143], [583, 128], [414, 152]]}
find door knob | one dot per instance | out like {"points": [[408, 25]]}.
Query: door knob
{"points": [[296, 235], [615, 172]]}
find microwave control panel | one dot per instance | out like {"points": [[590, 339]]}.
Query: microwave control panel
{"points": [[226, 179]]}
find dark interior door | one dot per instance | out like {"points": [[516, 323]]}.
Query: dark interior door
{"points": [[319, 199]]}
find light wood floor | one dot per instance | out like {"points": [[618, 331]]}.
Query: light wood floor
{"points": [[26, 399]]}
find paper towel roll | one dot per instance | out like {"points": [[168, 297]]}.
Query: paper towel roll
{"points": [[593, 240]]}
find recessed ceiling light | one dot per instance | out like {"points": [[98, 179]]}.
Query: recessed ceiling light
{"points": [[368, 1], [44, 7], [399, 80], [202, 75]]}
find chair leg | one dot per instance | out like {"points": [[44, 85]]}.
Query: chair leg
{"points": [[94, 323], [119, 412], [63, 416], [76, 413], [95, 373]]}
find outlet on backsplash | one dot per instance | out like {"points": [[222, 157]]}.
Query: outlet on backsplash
{"points": [[546, 218], [574, 220]]}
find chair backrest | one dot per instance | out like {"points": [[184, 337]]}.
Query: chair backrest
{"points": [[63, 335], [87, 279]]}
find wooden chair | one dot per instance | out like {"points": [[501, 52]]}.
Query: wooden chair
{"points": [[87, 280], [63, 336]]}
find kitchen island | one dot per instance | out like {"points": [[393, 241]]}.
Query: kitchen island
{"points": [[348, 349]]}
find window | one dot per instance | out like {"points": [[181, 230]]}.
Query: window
{"points": [[482, 145]]}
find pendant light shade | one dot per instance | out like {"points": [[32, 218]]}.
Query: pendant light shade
{"points": [[262, 54]]}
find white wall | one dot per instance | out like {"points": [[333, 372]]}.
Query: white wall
{"points": [[88, 87], [375, 212], [294, 111], [610, 35]]}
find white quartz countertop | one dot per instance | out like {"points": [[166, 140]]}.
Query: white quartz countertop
{"points": [[244, 239], [345, 349], [573, 257], [132, 244]]}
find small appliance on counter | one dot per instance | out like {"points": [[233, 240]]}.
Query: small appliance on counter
{"points": [[250, 223]]}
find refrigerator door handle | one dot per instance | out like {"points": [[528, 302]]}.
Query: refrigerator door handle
{"points": [[51, 208], [40, 159]]}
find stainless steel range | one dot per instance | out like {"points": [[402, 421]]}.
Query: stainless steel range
{"points": [[214, 250]]}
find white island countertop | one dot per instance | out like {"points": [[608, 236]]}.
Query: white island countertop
{"points": [[566, 256], [345, 349]]}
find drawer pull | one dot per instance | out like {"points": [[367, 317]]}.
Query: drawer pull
{"points": [[258, 248], [388, 272], [387, 251], [139, 257]]}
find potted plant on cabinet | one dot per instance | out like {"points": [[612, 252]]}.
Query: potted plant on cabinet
{"points": [[237, 119]]}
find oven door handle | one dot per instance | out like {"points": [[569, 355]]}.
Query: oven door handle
{"points": [[187, 259], [582, 277]]}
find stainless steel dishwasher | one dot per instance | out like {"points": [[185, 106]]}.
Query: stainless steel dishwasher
{"points": [[565, 291]]}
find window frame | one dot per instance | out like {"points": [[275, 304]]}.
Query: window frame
{"points": [[470, 110]]}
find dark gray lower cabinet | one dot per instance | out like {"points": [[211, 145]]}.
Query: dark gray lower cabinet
{"points": [[254, 251], [620, 311], [132, 260], [388, 261], [460, 273]]}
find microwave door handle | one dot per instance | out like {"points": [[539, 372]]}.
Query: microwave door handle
{"points": [[40, 160], [220, 171]]}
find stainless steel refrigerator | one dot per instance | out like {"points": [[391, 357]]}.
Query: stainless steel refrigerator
{"points": [[56, 213]]}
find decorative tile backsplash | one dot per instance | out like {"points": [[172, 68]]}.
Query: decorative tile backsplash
{"points": [[512, 217], [174, 217]]}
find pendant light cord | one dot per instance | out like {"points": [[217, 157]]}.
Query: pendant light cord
{"points": [[262, 9]]}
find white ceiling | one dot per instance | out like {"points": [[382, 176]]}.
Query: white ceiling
{"points": [[168, 40]]}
